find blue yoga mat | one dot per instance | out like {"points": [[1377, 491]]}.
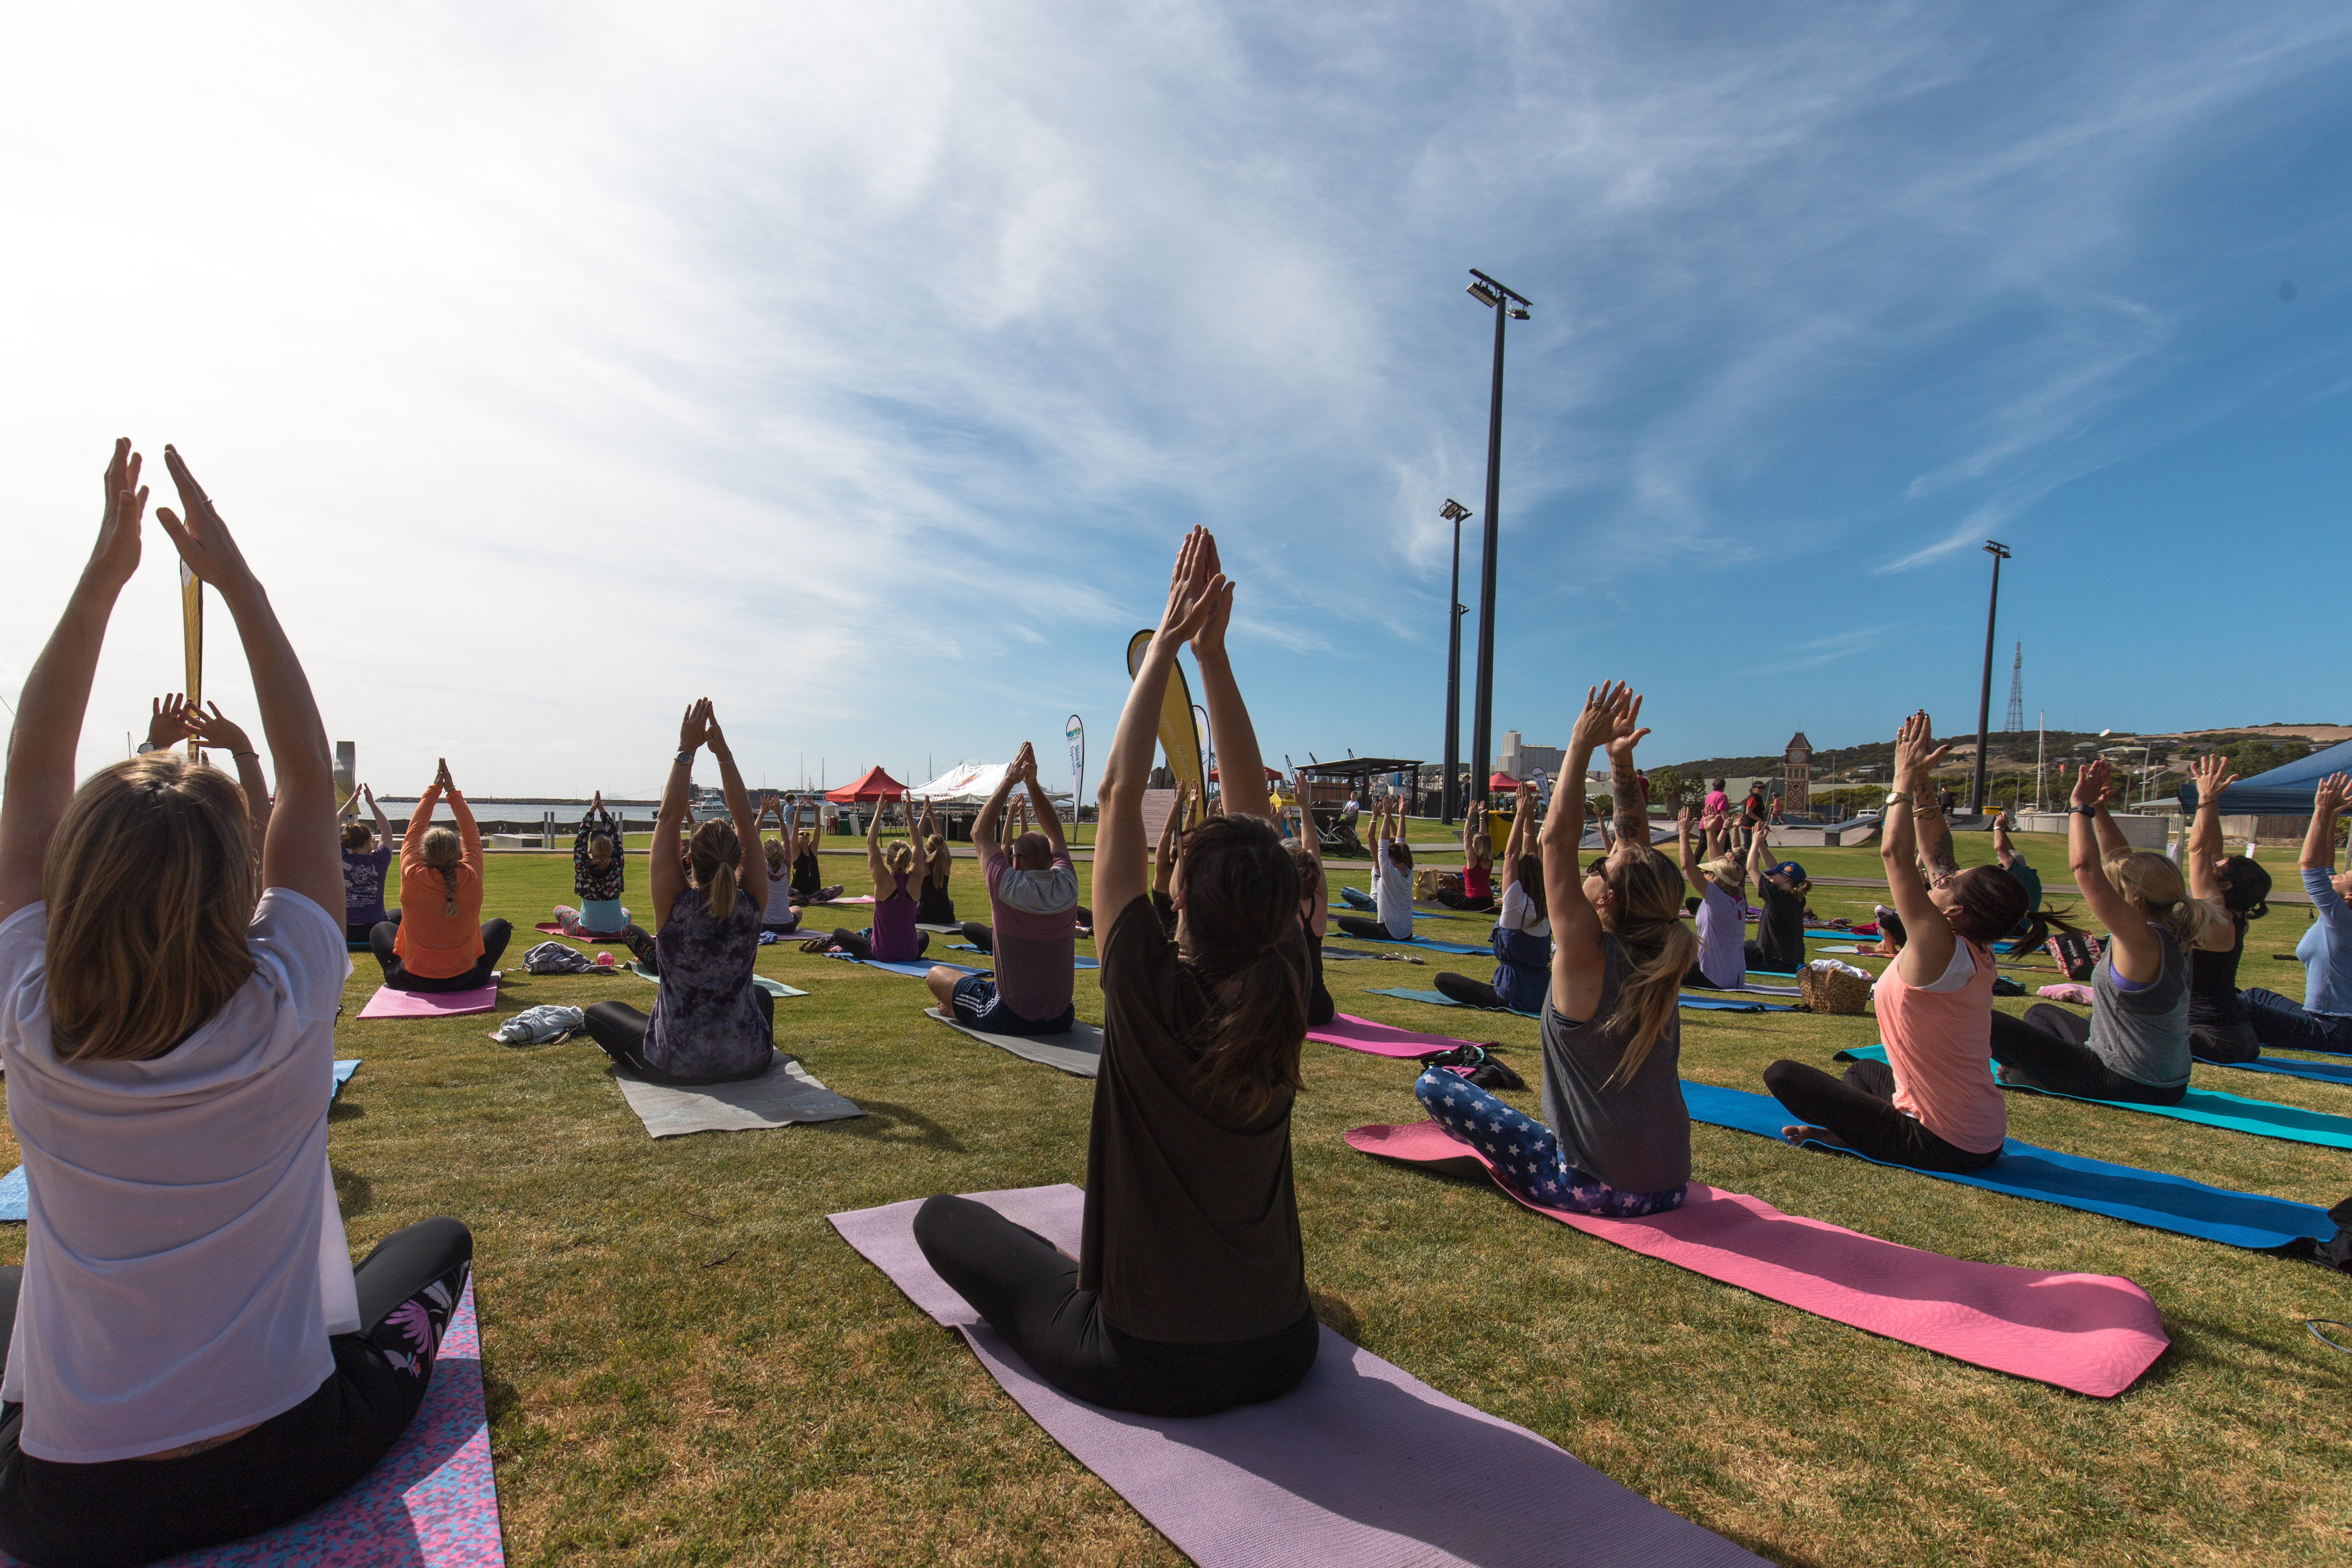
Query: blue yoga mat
{"points": [[2263, 1118], [917, 969], [2294, 1067], [2121, 1192], [1423, 942], [344, 1068], [968, 947], [1697, 1004]]}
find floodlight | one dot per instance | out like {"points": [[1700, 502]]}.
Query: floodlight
{"points": [[1484, 295], [1518, 313]]}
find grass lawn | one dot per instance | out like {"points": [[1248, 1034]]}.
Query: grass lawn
{"points": [[684, 1364]]}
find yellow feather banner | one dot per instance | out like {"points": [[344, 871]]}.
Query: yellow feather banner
{"points": [[192, 635], [1180, 740]]}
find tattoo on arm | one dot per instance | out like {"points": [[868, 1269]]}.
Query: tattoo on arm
{"points": [[1630, 812]]}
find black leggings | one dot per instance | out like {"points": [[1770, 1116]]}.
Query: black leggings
{"points": [[1452, 900], [620, 1030], [496, 935], [1363, 930], [1029, 1292], [1470, 993], [983, 935], [129, 1511], [2046, 1050], [858, 945], [1861, 1111]]}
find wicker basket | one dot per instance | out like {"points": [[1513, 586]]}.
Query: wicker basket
{"points": [[1828, 987]]}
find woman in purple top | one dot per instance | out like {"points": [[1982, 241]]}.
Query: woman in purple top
{"points": [[710, 1023], [367, 854], [892, 939]]}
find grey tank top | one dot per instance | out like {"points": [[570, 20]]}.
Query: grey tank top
{"points": [[1636, 1138], [2144, 1034]]}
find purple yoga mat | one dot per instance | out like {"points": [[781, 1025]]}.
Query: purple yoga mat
{"points": [[429, 1503], [1379, 1038], [388, 1003], [2094, 1334], [1360, 1466]]}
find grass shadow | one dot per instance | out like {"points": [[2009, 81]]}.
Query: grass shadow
{"points": [[886, 1123], [354, 1193]]}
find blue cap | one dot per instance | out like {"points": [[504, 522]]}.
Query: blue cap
{"points": [[1790, 869]]}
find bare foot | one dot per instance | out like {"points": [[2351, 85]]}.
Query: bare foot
{"points": [[1801, 1134]]}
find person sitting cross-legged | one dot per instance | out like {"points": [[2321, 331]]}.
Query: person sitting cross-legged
{"points": [[710, 1024], [1522, 932], [1188, 1292], [599, 876], [437, 940], [893, 939], [2323, 1021], [1618, 1140], [1033, 902], [190, 1356]]}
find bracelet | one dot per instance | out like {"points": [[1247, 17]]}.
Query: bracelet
{"points": [[252, 754], [2083, 810]]}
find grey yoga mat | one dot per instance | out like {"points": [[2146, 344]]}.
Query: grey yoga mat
{"points": [[785, 1094], [1077, 1049], [773, 988], [1362, 1464]]}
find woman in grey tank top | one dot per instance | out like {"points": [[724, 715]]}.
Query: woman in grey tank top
{"points": [[2135, 1045], [1619, 1139]]}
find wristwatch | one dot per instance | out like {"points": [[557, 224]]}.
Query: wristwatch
{"points": [[2083, 811], [1898, 796], [687, 757]]}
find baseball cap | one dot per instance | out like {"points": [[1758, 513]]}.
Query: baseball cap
{"points": [[1790, 869]]}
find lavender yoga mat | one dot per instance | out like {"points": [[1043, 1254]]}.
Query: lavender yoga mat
{"points": [[1360, 1466], [388, 1003], [2094, 1334], [430, 1502], [1378, 1038]]}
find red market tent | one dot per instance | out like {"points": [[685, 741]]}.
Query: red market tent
{"points": [[877, 785], [1503, 784]]}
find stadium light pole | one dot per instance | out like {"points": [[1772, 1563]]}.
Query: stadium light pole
{"points": [[1507, 306], [1999, 552], [1450, 796]]}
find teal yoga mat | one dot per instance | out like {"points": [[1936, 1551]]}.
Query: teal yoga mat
{"points": [[2097, 1186], [2263, 1118], [2336, 1071]]}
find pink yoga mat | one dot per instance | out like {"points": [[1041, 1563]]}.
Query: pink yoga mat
{"points": [[388, 1003], [1379, 1038], [430, 1502], [549, 928], [2094, 1334], [1360, 1465]]}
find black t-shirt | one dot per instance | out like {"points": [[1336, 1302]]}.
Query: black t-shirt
{"points": [[804, 872], [1191, 1234], [1780, 928], [2213, 982]]}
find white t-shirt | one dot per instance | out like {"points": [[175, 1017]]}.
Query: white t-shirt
{"points": [[780, 910], [1392, 893], [184, 1261], [1518, 913]]}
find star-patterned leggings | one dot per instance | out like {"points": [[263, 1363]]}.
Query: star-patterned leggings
{"points": [[1525, 1153]]}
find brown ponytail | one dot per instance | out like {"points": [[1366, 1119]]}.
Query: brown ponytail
{"points": [[711, 857], [1240, 922], [1645, 915]]}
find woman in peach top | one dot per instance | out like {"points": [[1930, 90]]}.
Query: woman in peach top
{"points": [[1933, 1103], [432, 943]]}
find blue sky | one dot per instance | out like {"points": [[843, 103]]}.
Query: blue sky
{"points": [[558, 364]]}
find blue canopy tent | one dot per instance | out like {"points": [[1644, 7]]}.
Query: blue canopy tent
{"points": [[2283, 791]]}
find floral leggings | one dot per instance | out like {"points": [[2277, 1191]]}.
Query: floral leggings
{"points": [[1525, 1153]]}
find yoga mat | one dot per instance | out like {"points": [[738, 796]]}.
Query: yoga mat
{"points": [[2097, 1186], [1082, 963], [1077, 1050], [388, 1003], [550, 929], [2293, 1067], [1336, 934], [773, 988], [1696, 1004], [784, 1094], [1378, 1038], [344, 1068], [1360, 1465], [914, 968], [2207, 1107], [939, 930], [430, 1502], [2094, 1334], [16, 1201]]}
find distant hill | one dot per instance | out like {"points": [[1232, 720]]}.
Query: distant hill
{"points": [[2254, 750]]}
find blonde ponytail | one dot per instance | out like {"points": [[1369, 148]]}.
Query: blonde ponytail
{"points": [[442, 851], [2156, 883], [712, 856], [1645, 916], [722, 891]]}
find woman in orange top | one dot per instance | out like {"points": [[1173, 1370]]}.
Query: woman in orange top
{"points": [[1933, 1103], [432, 943]]}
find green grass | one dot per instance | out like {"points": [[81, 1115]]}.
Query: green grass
{"points": [[686, 1365]]}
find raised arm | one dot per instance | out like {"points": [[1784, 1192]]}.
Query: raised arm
{"points": [[1690, 872], [469, 834], [1759, 862], [1194, 590], [1163, 859], [1240, 766], [1523, 811], [992, 811], [1928, 951], [750, 865], [382, 822], [1629, 803], [664, 878], [214, 729], [2204, 852], [40, 767], [2326, 803], [874, 866], [301, 851], [1579, 961], [2137, 953]]}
